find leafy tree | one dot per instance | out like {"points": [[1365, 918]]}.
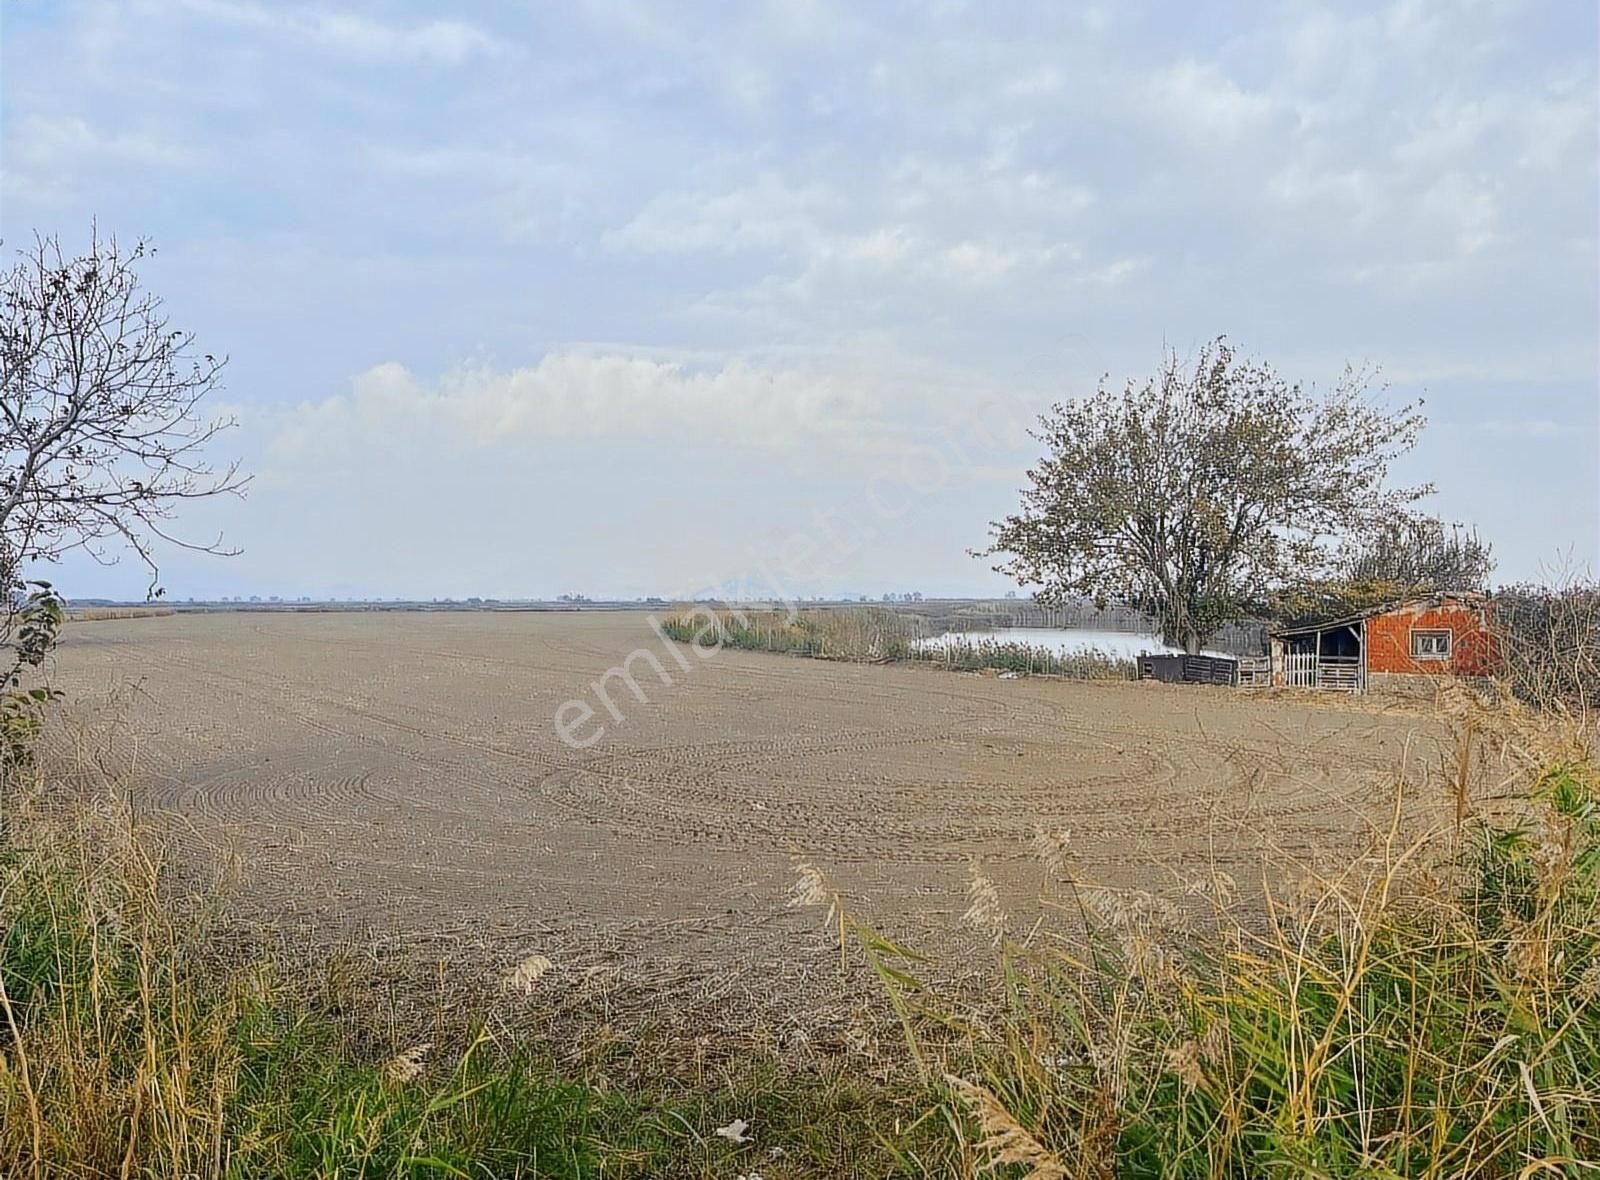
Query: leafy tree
{"points": [[36, 621], [101, 431], [1194, 492]]}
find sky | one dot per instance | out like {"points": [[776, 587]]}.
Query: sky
{"points": [[623, 298]]}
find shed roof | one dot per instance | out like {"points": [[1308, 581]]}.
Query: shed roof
{"points": [[1473, 597]]}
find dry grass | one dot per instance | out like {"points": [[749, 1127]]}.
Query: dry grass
{"points": [[1428, 1007], [139, 1037]]}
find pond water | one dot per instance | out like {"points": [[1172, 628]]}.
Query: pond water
{"points": [[1064, 641]]}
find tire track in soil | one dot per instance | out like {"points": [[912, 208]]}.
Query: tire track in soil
{"points": [[402, 767]]}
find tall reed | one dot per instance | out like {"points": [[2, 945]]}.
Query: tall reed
{"points": [[968, 654], [877, 635], [868, 634], [1430, 1008]]}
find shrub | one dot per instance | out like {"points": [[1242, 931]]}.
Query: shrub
{"points": [[1550, 640]]}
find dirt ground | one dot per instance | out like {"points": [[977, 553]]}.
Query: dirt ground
{"points": [[399, 776]]}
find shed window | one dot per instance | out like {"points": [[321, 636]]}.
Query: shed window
{"points": [[1430, 645]]}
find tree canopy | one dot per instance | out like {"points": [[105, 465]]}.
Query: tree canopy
{"points": [[1195, 492]]}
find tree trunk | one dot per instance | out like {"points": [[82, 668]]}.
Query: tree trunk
{"points": [[1181, 633]]}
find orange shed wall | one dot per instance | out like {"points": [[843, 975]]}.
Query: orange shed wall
{"points": [[1471, 646]]}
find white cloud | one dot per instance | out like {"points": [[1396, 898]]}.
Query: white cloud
{"points": [[883, 247], [1008, 202], [766, 214], [1200, 99], [1123, 270], [572, 395], [449, 42], [48, 157], [978, 262]]}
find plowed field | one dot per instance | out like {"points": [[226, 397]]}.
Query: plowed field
{"points": [[401, 774]]}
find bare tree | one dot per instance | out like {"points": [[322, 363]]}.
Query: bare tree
{"points": [[100, 412], [1407, 556], [1194, 492], [1422, 553], [103, 436]]}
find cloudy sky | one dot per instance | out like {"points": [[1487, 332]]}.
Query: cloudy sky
{"points": [[628, 298]]}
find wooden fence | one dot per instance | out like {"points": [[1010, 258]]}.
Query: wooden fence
{"points": [[1300, 669], [1335, 673], [1184, 669], [1340, 673], [1255, 671]]}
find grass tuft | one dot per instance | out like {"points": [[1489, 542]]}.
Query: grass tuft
{"points": [[1430, 1010], [134, 1041]]}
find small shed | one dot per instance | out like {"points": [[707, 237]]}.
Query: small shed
{"points": [[1412, 640]]}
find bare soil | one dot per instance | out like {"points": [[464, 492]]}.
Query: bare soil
{"points": [[399, 776]]}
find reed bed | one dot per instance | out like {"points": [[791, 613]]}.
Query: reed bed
{"points": [[867, 634], [975, 655], [877, 635], [99, 614]]}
